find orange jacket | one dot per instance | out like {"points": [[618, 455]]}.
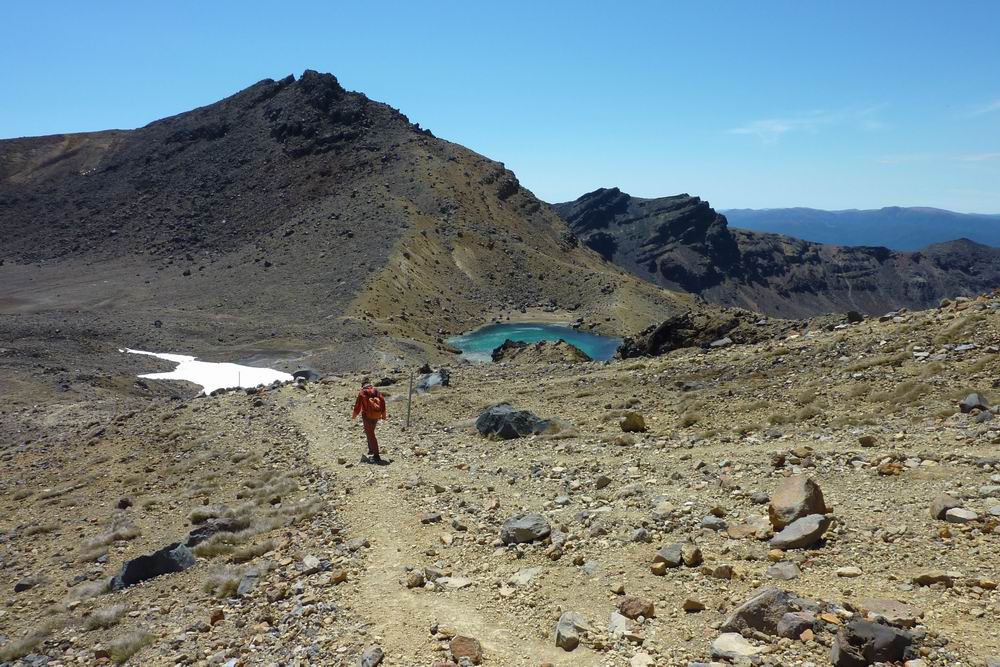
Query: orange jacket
{"points": [[361, 403]]}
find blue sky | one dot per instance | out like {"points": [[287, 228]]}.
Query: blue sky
{"points": [[746, 104]]}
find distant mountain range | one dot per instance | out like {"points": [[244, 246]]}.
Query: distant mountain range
{"points": [[681, 243], [893, 227]]}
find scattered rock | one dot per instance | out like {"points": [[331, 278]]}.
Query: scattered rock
{"points": [[525, 528], [793, 624], [941, 504], [785, 571], [371, 657], [467, 648], [762, 612], [796, 497], [633, 607], [960, 515], [691, 605], [26, 584], [733, 647], [893, 611], [568, 630], [973, 402], [801, 533]]}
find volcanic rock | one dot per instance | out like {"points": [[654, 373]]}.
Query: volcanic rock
{"points": [[504, 422], [172, 558]]}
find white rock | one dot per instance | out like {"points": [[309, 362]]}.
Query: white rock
{"points": [[960, 515], [732, 646]]}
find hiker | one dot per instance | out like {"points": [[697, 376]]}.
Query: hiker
{"points": [[371, 406]]}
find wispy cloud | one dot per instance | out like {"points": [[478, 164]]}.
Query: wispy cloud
{"points": [[770, 130], [984, 109], [908, 158], [978, 157]]}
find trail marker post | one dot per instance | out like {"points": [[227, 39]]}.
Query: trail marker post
{"points": [[409, 400]]}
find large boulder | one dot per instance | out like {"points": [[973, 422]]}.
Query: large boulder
{"points": [[862, 643], [568, 630], [171, 558], [523, 528], [801, 533], [504, 422], [795, 497]]}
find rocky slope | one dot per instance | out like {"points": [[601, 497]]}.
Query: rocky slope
{"points": [[294, 218], [681, 243], [632, 548]]}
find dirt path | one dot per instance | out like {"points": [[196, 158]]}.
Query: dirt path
{"points": [[379, 510]]}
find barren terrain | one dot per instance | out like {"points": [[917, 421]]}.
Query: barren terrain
{"points": [[337, 556]]}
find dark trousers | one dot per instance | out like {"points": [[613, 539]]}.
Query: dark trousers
{"points": [[370, 434]]}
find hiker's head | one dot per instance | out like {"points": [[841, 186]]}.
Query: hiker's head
{"points": [[366, 382]]}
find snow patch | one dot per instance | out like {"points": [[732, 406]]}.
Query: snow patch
{"points": [[211, 375]]}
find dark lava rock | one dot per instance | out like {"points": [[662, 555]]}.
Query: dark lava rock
{"points": [[172, 558], [504, 422], [862, 643], [525, 528], [27, 584]]}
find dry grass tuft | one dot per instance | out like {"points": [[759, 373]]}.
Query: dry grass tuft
{"points": [[223, 582], [125, 646], [18, 648], [41, 529], [105, 617], [689, 419], [251, 551], [204, 513], [89, 589]]}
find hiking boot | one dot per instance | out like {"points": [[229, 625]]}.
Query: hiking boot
{"points": [[377, 460]]}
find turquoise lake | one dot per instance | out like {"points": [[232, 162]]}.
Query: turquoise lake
{"points": [[477, 345]]}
